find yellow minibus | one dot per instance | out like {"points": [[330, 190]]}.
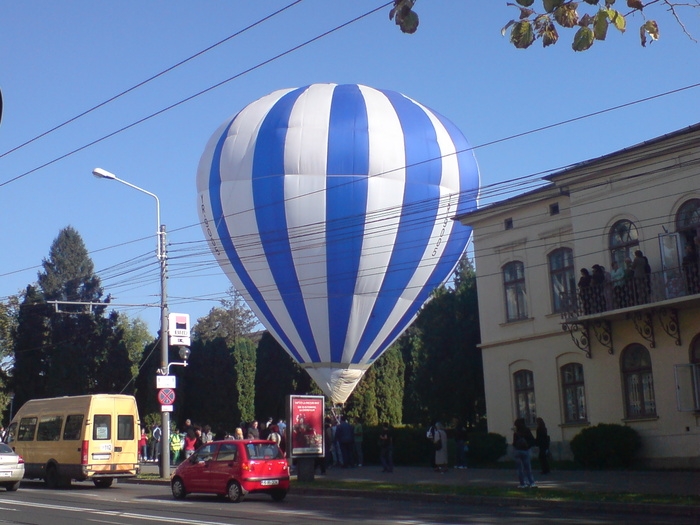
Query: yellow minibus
{"points": [[91, 437]]}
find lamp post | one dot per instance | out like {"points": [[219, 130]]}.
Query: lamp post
{"points": [[163, 259]]}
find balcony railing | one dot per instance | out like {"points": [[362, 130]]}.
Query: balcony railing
{"points": [[655, 287]]}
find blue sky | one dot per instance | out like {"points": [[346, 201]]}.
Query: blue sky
{"points": [[58, 59]]}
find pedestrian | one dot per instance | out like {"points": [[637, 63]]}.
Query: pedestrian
{"points": [[642, 277], [542, 442], [175, 446], [156, 435], [461, 446], [190, 443], [274, 434], [143, 445], [253, 431], [357, 435], [207, 435], [344, 435], [238, 433], [386, 448], [523, 440], [440, 446]]}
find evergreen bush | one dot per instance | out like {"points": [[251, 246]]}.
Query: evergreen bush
{"points": [[606, 446]]}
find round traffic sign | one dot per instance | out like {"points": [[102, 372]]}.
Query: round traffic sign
{"points": [[166, 396]]}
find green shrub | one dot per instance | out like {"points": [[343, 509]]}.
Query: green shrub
{"points": [[486, 448], [606, 446]]}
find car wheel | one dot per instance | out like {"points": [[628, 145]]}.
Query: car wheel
{"points": [[103, 483], [235, 492], [278, 495], [178, 488], [11, 487]]}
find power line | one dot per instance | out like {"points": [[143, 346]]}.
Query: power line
{"points": [[149, 79], [196, 95]]}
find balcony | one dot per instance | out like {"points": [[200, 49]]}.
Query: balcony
{"points": [[658, 295]]}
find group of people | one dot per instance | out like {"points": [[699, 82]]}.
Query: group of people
{"points": [[184, 441], [600, 290], [343, 440], [437, 435], [522, 442]]}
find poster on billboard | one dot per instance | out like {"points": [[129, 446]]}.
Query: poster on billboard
{"points": [[305, 429]]}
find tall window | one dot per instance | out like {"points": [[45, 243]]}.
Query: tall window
{"points": [[514, 285], [562, 277], [623, 241], [574, 393], [525, 395], [640, 401]]}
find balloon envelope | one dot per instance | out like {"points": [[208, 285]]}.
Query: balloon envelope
{"points": [[330, 209]]}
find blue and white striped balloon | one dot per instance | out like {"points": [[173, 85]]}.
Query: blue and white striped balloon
{"points": [[330, 209]]}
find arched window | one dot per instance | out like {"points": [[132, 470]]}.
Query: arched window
{"points": [[516, 295], [640, 401], [688, 222], [623, 240], [562, 278], [525, 395], [574, 393]]}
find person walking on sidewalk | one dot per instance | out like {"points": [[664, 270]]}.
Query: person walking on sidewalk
{"points": [[542, 442], [523, 440], [440, 445], [386, 448]]}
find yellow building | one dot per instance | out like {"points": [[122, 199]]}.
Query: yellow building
{"points": [[626, 348]]}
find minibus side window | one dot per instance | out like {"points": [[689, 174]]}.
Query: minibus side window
{"points": [[102, 428], [74, 425], [49, 428], [27, 426], [11, 433], [125, 427]]}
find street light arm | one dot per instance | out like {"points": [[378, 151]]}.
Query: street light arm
{"points": [[104, 174]]}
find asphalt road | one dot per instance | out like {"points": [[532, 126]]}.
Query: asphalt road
{"points": [[127, 504]]}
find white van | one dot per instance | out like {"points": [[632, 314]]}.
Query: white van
{"points": [[92, 437]]}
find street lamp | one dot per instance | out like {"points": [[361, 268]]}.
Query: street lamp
{"points": [[163, 258]]}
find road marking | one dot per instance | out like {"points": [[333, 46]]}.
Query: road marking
{"points": [[115, 513]]}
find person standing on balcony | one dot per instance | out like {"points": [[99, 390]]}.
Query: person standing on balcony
{"points": [[642, 277], [617, 276], [598, 289], [584, 290]]}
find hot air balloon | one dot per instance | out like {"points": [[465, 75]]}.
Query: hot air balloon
{"points": [[330, 209]]}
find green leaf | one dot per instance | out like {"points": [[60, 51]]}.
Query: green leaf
{"points": [[409, 23], [619, 21], [522, 35], [526, 3], [566, 15], [551, 5], [583, 39], [600, 25], [651, 28], [546, 30]]}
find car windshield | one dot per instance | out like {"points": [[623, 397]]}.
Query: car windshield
{"points": [[4, 449], [263, 451]]}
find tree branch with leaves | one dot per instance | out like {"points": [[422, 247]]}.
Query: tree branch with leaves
{"points": [[590, 26]]}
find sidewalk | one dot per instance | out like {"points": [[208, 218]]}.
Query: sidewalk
{"points": [[678, 483]]}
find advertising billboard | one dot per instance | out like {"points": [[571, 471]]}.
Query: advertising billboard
{"points": [[305, 429]]}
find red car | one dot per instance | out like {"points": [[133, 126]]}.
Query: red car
{"points": [[233, 469]]}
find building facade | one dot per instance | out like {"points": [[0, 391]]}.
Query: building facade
{"points": [[624, 346]]}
